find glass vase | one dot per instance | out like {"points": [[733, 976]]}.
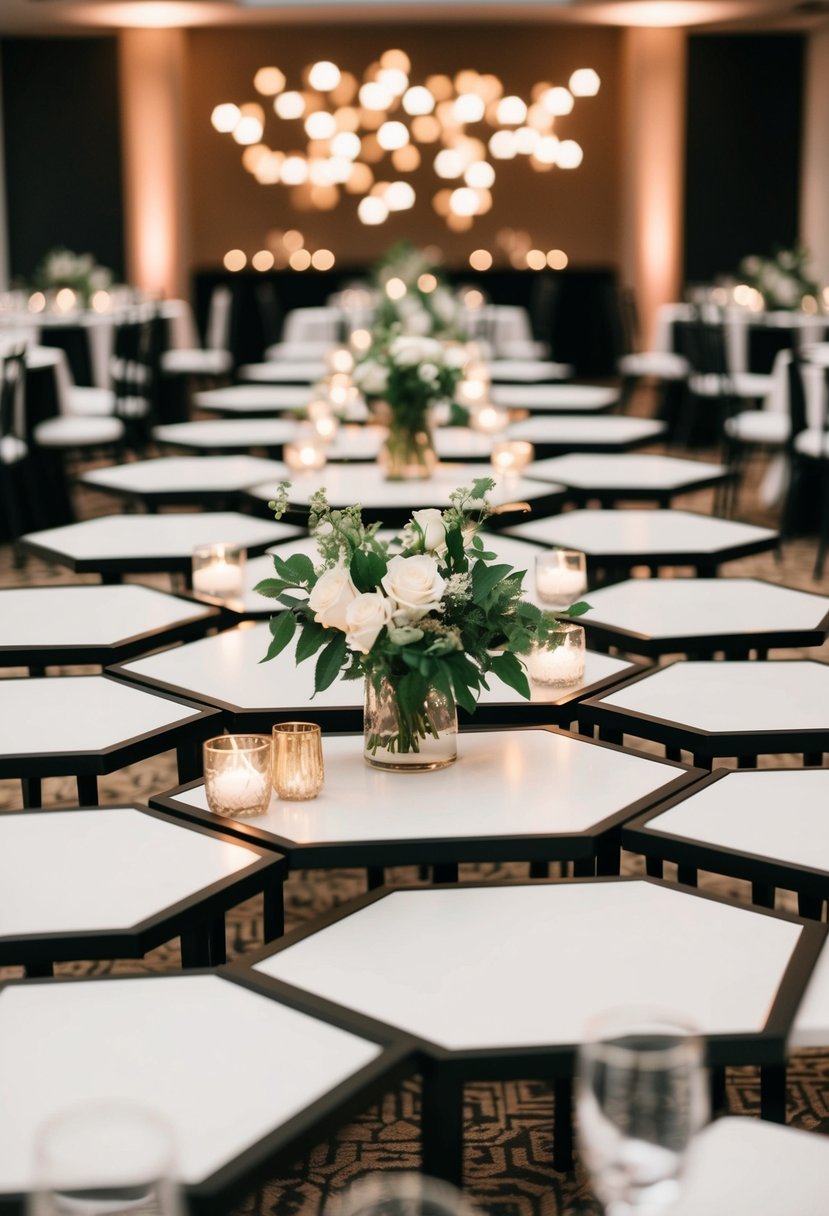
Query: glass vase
{"points": [[408, 454], [426, 742]]}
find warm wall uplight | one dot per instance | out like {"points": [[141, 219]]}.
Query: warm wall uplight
{"points": [[235, 260]]}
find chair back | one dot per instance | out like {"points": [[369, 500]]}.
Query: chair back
{"points": [[13, 394], [133, 371], [217, 334], [798, 420]]}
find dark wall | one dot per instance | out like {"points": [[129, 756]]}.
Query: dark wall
{"points": [[62, 147], [742, 162]]}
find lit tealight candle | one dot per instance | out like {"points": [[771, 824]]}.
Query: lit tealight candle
{"points": [[513, 456], [238, 773], [489, 419], [305, 456], [340, 360], [560, 577], [560, 666], [326, 426], [219, 571]]}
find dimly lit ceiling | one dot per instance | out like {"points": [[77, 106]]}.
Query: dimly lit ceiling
{"points": [[65, 16]]}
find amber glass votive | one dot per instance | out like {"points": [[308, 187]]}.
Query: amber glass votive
{"points": [[298, 769], [237, 774]]}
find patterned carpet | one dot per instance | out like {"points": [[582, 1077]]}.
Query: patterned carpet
{"points": [[508, 1166]]}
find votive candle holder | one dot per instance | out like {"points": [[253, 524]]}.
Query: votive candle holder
{"points": [[560, 577], [298, 767], [238, 775]]}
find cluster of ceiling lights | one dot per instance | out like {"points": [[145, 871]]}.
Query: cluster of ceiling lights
{"points": [[364, 137]]}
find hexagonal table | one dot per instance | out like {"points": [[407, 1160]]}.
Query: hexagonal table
{"points": [[528, 371], [84, 726], [703, 617], [224, 435], [742, 709], [114, 545], [745, 1165], [392, 502], [251, 400], [248, 1074], [492, 805], [226, 671], [281, 371], [116, 882], [555, 398], [206, 481], [47, 626], [612, 478], [500, 981], [555, 435], [616, 541], [769, 827]]}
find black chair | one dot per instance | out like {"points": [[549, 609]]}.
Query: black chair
{"points": [[15, 483], [665, 370], [810, 447]]}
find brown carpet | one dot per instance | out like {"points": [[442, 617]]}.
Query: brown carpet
{"points": [[508, 1165]]}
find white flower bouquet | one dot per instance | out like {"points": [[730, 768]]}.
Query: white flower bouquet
{"points": [[439, 613], [78, 271], [782, 280]]}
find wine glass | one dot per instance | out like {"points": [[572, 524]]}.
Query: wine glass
{"points": [[641, 1098], [395, 1193], [104, 1158]]}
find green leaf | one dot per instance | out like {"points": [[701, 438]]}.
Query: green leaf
{"points": [[301, 567], [511, 671], [367, 569], [312, 637], [481, 487], [577, 609], [282, 628], [484, 578], [330, 662], [454, 545], [272, 587], [284, 571]]}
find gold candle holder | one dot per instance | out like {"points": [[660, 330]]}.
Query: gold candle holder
{"points": [[306, 455], [237, 775], [298, 768]]}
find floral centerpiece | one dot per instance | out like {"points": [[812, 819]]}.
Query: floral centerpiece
{"points": [[410, 376], [413, 297], [425, 621], [77, 271], [782, 280]]}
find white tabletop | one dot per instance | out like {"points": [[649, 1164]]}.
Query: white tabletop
{"points": [[705, 607], [112, 868], [152, 1040], [633, 532], [166, 537], [775, 813], [606, 430], [499, 787], [253, 398], [424, 960], [747, 1165], [280, 371], [187, 474], [79, 715], [733, 697], [600, 471], [569, 397], [347, 484], [227, 669], [54, 617], [528, 371], [226, 433]]}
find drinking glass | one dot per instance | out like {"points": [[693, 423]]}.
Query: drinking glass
{"points": [[641, 1098], [104, 1158], [400, 1194]]}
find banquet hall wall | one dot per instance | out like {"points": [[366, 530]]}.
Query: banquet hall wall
{"points": [[187, 199]]}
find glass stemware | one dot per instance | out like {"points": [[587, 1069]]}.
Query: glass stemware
{"points": [[641, 1098]]}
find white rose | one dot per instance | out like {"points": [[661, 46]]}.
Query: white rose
{"points": [[415, 585], [445, 307], [371, 377], [331, 596], [428, 372], [455, 357], [365, 616], [417, 323], [430, 523]]}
